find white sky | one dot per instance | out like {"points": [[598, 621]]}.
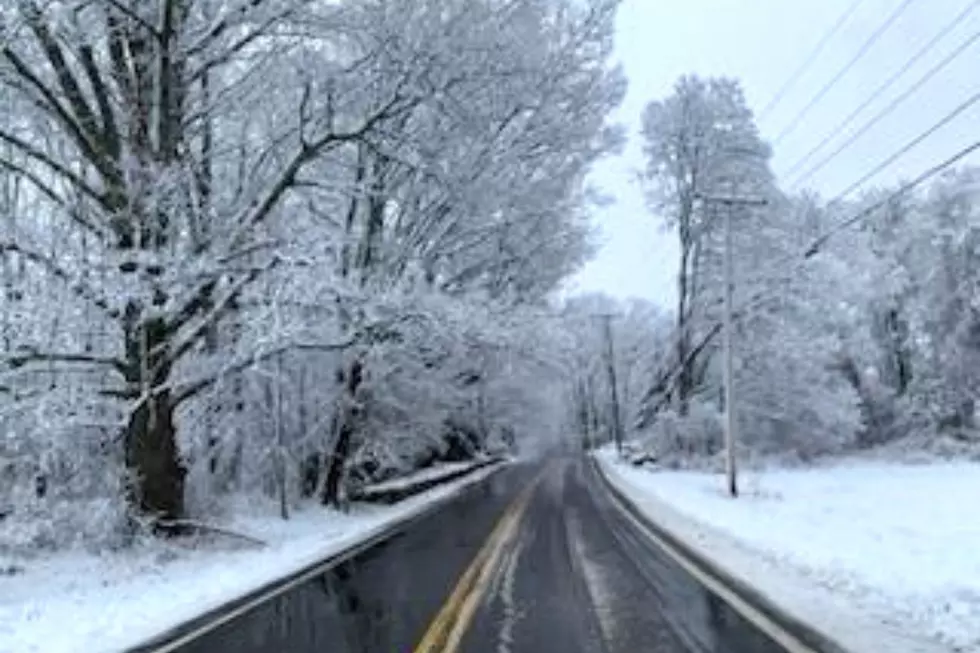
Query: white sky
{"points": [[762, 43]]}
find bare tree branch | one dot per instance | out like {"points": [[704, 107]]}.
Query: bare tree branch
{"points": [[189, 389], [84, 118], [71, 177], [110, 133], [133, 16], [217, 310], [25, 355], [52, 195], [74, 285], [236, 47], [260, 210], [222, 25]]}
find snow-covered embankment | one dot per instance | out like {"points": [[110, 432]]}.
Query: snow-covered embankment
{"points": [[81, 601], [879, 556]]}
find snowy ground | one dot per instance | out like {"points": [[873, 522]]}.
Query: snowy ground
{"points": [[429, 473], [866, 551], [83, 602]]}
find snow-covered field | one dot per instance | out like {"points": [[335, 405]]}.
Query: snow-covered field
{"points": [[77, 601], [863, 550]]}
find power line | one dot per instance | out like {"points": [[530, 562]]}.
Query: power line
{"points": [[864, 49], [884, 86], [910, 145], [860, 215], [666, 380], [885, 111], [821, 240], [810, 59]]}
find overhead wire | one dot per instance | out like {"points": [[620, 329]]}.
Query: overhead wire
{"points": [[799, 258], [888, 83], [902, 190], [665, 381], [810, 59], [945, 120], [863, 50], [818, 242]]}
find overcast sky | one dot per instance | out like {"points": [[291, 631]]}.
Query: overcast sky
{"points": [[762, 43]]}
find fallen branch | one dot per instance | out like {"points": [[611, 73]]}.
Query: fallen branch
{"points": [[191, 526], [21, 357]]}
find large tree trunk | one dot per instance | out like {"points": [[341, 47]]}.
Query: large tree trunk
{"points": [[337, 458], [682, 388], [153, 459], [156, 483]]}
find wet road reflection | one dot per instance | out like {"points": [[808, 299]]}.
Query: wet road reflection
{"points": [[578, 577], [667, 597], [383, 599]]}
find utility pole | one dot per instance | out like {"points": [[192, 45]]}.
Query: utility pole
{"points": [[611, 373], [731, 416]]}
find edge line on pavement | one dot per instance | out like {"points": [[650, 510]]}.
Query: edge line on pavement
{"points": [[789, 641]]}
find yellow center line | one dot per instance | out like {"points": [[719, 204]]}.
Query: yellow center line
{"points": [[446, 631]]}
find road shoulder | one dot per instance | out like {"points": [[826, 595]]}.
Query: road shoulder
{"points": [[79, 600], [818, 609]]}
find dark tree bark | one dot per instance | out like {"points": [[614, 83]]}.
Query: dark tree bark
{"points": [[156, 483], [337, 458], [153, 458]]}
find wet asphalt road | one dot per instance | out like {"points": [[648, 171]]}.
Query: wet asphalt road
{"points": [[567, 585], [574, 576]]}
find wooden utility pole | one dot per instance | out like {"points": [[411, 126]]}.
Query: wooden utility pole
{"points": [[731, 419], [617, 423], [731, 416]]}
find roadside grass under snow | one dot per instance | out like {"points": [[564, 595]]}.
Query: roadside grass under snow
{"points": [[80, 601], [897, 546]]}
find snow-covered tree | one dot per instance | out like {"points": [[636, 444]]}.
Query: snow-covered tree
{"points": [[700, 143], [232, 234], [704, 157]]}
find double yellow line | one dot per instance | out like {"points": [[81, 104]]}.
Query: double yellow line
{"points": [[446, 631]]}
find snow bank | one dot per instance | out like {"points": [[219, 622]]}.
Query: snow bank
{"points": [[432, 473], [77, 601], [897, 545]]}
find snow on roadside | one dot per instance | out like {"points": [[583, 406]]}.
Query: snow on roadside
{"points": [[896, 545], [436, 471], [77, 601]]}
